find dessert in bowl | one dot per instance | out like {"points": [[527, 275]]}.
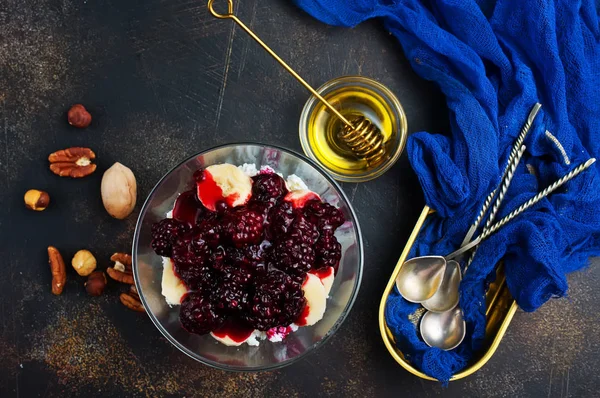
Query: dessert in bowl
{"points": [[247, 257]]}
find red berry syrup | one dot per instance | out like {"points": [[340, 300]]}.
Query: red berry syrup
{"points": [[235, 330], [187, 208]]}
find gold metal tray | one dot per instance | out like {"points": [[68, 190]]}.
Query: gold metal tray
{"points": [[501, 308]]}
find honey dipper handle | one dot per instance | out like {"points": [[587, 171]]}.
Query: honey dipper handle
{"points": [[230, 15]]}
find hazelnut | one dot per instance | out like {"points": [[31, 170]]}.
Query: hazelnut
{"points": [[95, 283], [84, 262], [79, 117], [36, 200], [119, 191]]}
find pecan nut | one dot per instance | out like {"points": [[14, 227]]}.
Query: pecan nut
{"points": [[122, 258], [73, 162], [58, 269], [133, 291], [132, 302], [120, 276], [121, 271]]}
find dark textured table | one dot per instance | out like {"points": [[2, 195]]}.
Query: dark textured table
{"points": [[163, 80]]}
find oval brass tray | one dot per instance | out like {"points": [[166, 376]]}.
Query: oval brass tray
{"points": [[500, 310]]}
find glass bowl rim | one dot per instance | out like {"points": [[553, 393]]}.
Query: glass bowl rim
{"points": [[314, 346], [374, 85]]}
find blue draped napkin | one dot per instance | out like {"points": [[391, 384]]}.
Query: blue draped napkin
{"points": [[493, 60]]}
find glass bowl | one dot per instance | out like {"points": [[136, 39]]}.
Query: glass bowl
{"points": [[352, 96], [147, 266]]}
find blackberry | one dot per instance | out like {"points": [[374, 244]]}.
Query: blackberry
{"points": [[250, 255], [240, 276], [217, 259], [249, 259], [190, 254], [221, 207], [231, 293], [243, 226], [261, 208], [165, 233], [277, 301], [303, 230], [206, 215], [162, 247], [254, 253], [190, 249], [199, 315], [326, 216], [211, 232], [292, 256], [268, 188], [280, 219], [199, 278], [231, 297], [328, 252]]}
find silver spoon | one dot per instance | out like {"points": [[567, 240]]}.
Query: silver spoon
{"points": [[420, 277], [453, 330], [445, 330], [423, 275], [446, 297]]}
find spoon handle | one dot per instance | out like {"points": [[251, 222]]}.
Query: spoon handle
{"points": [[505, 184], [553, 187], [513, 153]]}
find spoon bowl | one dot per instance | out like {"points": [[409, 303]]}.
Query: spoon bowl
{"points": [[444, 330], [420, 277], [446, 297]]}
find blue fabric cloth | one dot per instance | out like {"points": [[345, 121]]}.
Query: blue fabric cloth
{"points": [[493, 60]]}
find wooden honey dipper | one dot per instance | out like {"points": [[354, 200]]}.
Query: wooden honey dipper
{"points": [[360, 135]]}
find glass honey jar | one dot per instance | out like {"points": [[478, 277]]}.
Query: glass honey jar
{"points": [[352, 96]]}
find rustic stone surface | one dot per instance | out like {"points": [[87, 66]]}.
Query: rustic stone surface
{"points": [[163, 80]]}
